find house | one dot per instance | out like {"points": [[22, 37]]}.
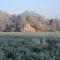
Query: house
{"points": [[28, 28], [32, 27]]}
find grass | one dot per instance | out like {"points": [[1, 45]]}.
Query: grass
{"points": [[31, 33], [30, 46]]}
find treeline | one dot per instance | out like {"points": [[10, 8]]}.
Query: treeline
{"points": [[14, 23]]}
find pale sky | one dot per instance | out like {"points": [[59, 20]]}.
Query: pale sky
{"points": [[48, 8]]}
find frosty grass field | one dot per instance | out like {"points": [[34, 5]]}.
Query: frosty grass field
{"points": [[29, 46]]}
